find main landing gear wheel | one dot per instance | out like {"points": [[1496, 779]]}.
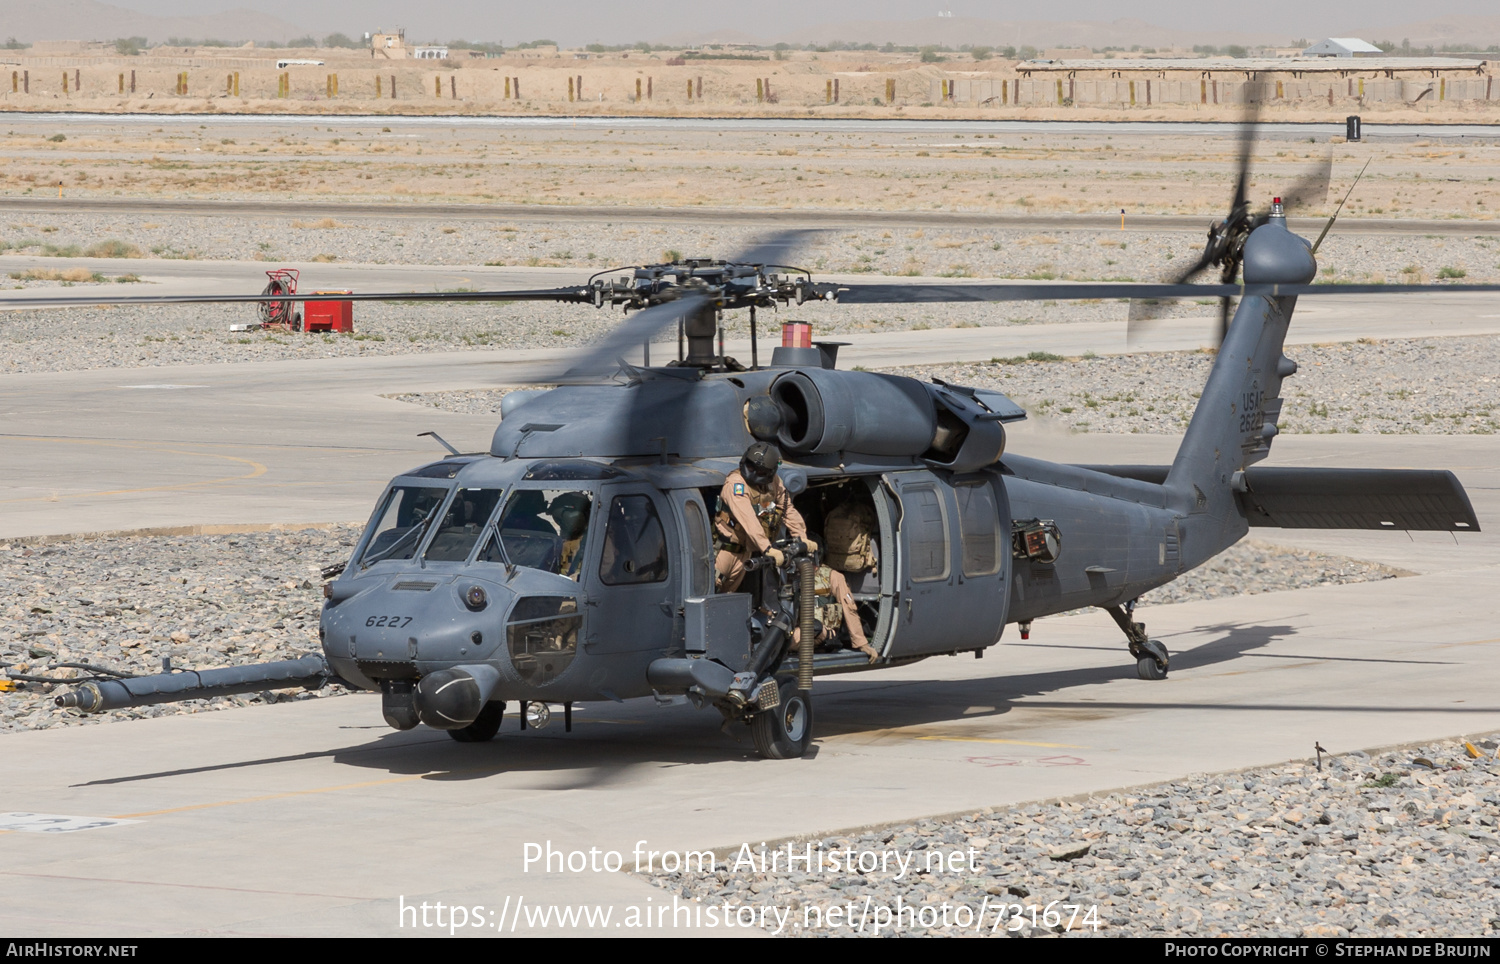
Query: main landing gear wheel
{"points": [[784, 732], [1154, 664], [485, 725]]}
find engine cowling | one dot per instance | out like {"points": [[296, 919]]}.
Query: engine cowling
{"points": [[824, 412], [821, 412]]}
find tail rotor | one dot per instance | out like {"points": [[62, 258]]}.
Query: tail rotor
{"points": [[1225, 246]]}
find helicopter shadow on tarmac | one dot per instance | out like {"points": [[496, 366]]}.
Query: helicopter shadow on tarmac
{"points": [[845, 706], [614, 751], [580, 760], [682, 738], [846, 710]]}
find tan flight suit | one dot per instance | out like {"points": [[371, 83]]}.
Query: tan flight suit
{"points": [[749, 518], [572, 557], [836, 604]]}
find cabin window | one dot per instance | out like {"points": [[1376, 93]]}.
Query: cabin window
{"points": [[462, 525], [402, 522], [979, 529], [635, 547], [926, 526]]}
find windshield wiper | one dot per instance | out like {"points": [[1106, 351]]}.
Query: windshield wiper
{"points": [[416, 533], [510, 567]]}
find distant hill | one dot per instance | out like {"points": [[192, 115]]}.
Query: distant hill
{"points": [[31, 20], [959, 31], [1476, 31]]}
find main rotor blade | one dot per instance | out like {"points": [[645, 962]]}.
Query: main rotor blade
{"points": [[852, 294], [603, 358], [583, 295], [887, 294]]}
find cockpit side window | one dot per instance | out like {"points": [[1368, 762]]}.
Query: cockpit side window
{"points": [[462, 524], [544, 529], [703, 555], [401, 524], [635, 546]]}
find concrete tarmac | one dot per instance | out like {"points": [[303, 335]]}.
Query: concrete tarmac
{"points": [[313, 818], [316, 440]]}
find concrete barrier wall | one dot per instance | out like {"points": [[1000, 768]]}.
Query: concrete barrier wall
{"points": [[1149, 92], [500, 85], [494, 83]]}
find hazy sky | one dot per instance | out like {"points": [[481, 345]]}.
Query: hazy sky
{"points": [[622, 21]]}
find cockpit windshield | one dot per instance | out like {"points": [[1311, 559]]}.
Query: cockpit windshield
{"points": [[462, 524], [402, 522], [544, 529]]}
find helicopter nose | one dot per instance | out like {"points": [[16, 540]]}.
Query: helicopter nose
{"points": [[399, 627]]}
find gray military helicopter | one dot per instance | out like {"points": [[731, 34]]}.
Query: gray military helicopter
{"points": [[574, 560]]}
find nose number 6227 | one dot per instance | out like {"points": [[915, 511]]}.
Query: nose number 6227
{"points": [[388, 620]]}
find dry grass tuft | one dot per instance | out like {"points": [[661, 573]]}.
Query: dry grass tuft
{"points": [[56, 274], [112, 248]]}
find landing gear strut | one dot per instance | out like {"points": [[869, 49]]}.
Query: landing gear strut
{"points": [[1151, 657]]}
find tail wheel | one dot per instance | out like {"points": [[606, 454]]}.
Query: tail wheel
{"points": [[485, 725], [784, 732]]}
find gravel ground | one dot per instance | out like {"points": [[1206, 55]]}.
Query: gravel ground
{"points": [[1425, 386], [141, 337], [1396, 844], [125, 603], [44, 340], [55, 340], [957, 252], [1428, 386], [1253, 567]]}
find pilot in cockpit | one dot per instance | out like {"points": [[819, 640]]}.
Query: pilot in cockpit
{"points": [[571, 512]]}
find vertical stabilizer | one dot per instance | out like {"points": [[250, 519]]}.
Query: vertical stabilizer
{"points": [[1235, 420]]}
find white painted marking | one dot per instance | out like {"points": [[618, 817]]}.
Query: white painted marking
{"points": [[54, 822], [167, 387]]}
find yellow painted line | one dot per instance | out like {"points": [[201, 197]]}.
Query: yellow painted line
{"points": [[991, 739], [1472, 642], [256, 470]]}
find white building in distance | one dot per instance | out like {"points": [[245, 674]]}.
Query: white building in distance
{"points": [[1343, 47]]}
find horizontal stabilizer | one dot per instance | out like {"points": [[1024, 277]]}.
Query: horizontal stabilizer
{"points": [[1414, 499], [1319, 498]]}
